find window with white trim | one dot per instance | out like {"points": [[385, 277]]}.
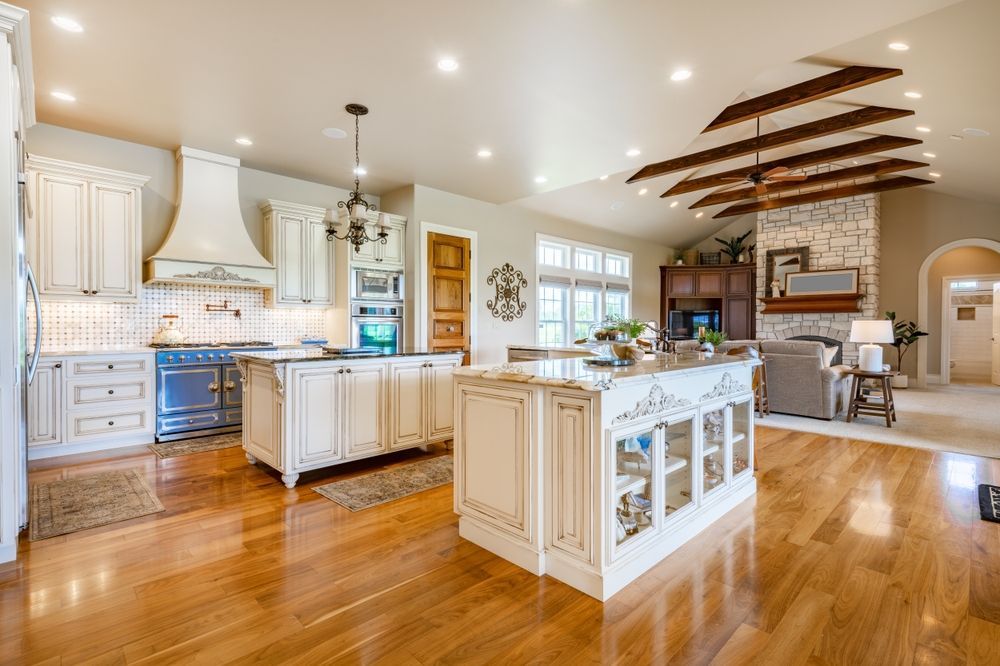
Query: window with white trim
{"points": [[580, 285]]}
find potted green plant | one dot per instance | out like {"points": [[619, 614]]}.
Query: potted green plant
{"points": [[711, 339], [904, 333], [633, 328], [735, 247]]}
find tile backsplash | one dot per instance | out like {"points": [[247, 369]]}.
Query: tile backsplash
{"points": [[84, 325]]}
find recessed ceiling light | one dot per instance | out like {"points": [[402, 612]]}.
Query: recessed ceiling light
{"points": [[913, 94], [855, 162], [931, 155], [541, 179], [64, 96], [604, 177], [447, 64], [955, 137], [681, 75], [484, 152], [360, 171], [334, 133], [673, 204], [698, 214], [632, 152], [243, 141], [924, 129], [67, 24], [934, 174], [975, 131], [643, 191], [899, 46], [617, 205]]}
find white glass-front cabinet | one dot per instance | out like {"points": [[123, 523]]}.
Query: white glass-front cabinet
{"points": [[295, 242], [636, 452], [85, 230], [741, 418], [727, 437]]}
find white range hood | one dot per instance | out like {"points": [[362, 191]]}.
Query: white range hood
{"points": [[208, 242]]}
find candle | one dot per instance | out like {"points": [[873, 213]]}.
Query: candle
{"points": [[701, 332]]}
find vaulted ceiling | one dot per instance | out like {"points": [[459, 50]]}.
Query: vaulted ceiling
{"points": [[554, 88]]}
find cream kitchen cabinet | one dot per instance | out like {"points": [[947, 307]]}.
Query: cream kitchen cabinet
{"points": [[295, 242], [85, 231], [302, 413], [80, 403], [422, 401], [389, 256], [45, 403]]}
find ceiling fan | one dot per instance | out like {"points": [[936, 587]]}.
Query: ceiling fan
{"points": [[761, 179]]}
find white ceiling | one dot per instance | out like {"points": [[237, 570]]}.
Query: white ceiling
{"points": [[559, 88]]}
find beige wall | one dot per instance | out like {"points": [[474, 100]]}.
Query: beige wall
{"points": [[954, 263], [506, 233], [736, 228], [158, 196], [915, 223]]}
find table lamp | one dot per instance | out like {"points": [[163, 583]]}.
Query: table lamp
{"points": [[871, 332]]}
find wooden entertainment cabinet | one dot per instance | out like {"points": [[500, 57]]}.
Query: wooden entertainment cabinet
{"points": [[731, 289]]}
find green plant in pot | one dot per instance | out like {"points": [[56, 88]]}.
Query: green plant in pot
{"points": [[904, 333], [633, 328], [735, 247], [711, 339]]}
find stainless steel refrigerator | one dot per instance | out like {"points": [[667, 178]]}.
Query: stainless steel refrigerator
{"points": [[29, 342]]}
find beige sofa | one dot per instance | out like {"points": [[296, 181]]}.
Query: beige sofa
{"points": [[798, 380]]}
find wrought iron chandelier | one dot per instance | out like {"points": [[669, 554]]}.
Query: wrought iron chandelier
{"points": [[354, 211]]}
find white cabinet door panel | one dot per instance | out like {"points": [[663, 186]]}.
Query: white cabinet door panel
{"points": [[364, 409], [291, 260], [408, 398], [317, 422], [61, 231], [320, 273], [45, 404], [113, 241], [441, 399]]}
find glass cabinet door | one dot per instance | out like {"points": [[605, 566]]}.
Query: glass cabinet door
{"points": [[742, 438], [633, 485], [713, 468], [678, 433]]}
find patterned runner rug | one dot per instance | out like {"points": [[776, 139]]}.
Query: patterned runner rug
{"points": [[79, 503], [185, 447], [363, 492]]}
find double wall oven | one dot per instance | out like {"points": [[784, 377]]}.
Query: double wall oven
{"points": [[377, 310], [198, 389]]}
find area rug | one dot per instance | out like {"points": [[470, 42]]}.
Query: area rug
{"points": [[368, 490], [989, 502], [186, 447], [954, 418], [79, 503]]}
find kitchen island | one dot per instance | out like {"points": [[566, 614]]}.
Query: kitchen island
{"points": [[594, 475], [304, 408]]}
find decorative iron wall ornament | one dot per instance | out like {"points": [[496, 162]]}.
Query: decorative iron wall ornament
{"points": [[507, 305]]}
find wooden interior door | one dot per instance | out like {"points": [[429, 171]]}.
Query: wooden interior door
{"points": [[449, 294]]}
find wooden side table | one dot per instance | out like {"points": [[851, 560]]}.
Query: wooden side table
{"points": [[863, 404]]}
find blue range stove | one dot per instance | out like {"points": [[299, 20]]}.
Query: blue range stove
{"points": [[198, 389]]}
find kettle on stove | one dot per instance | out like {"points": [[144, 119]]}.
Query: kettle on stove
{"points": [[169, 332]]}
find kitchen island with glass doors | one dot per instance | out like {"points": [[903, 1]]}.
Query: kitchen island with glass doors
{"points": [[593, 475]]}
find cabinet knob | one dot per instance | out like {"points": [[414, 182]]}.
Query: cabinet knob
{"points": [[348, 371], [93, 293], [58, 365], [213, 387], [340, 372], [111, 366], [111, 391], [86, 291], [111, 423]]}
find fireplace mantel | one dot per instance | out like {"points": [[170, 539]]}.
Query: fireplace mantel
{"points": [[831, 303]]}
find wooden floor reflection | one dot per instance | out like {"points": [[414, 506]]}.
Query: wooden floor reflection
{"points": [[851, 553]]}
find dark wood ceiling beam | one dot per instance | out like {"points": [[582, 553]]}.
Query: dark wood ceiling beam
{"points": [[875, 144], [863, 171], [894, 183], [840, 81], [843, 122]]}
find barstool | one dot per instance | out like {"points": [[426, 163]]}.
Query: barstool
{"points": [[758, 384]]}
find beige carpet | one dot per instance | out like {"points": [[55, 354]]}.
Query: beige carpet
{"points": [[79, 503], [956, 418], [186, 447], [368, 490]]}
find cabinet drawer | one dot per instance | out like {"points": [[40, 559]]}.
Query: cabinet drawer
{"points": [[94, 394], [89, 367], [109, 423], [200, 421]]}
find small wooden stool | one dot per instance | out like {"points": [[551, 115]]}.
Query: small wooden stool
{"points": [[862, 404]]}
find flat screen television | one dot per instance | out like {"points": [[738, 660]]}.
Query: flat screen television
{"points": [[684, 324]]}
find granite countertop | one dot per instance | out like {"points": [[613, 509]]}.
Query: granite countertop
{"points": [[574, 373], [587, 347], [317, 354]]}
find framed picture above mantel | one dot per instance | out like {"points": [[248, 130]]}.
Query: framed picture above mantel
{"points": [[781, 262], [822, 283]]}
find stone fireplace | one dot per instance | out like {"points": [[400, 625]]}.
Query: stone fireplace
{"points": [[840, 233]]}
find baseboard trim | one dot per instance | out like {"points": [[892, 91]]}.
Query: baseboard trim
{"points": [[40, 452]]}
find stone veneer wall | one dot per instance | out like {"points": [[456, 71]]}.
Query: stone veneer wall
{"points": [[94, 325], [840, 233]]}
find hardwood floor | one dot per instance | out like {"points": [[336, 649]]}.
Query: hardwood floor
{"points": [[851, 553]]}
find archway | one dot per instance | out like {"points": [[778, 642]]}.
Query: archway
{"points": [[923, 292]]}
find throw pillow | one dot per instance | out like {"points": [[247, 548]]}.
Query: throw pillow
{"points": [[828, 354]]}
